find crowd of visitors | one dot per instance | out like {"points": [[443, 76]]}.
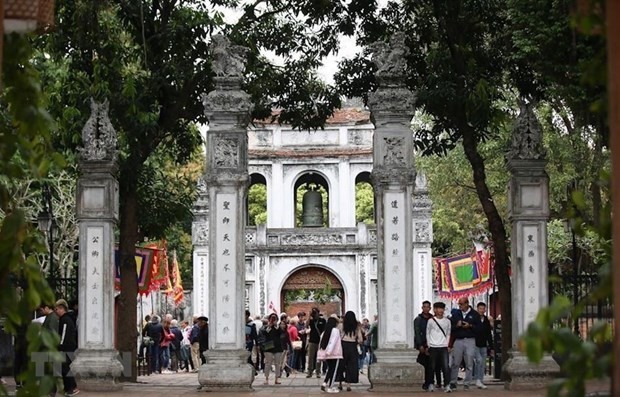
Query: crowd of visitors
{"points": [[169, 347], [335, 348], [448, 344]]}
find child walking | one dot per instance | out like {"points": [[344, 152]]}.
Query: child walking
{"points": [[437, 338]]}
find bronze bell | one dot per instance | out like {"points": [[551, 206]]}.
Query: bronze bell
{"points": [[312, 207]]}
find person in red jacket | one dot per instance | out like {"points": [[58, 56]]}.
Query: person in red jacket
{"points": [[166, 340]]}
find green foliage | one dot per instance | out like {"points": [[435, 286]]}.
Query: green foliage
{"points": [[24, 153], [301, 33], [321, 296], [257, 205], [364, 203], [179, 239], [455, 202], [166, 195], [150, 61], [572, 73]]}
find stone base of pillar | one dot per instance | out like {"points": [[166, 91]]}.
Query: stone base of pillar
{"points": [[524, 375], [226, 370], [97, 370], [396, 370]]}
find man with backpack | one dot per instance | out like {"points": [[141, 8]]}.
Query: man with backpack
{"points": [[251, 336], [419, 327]]}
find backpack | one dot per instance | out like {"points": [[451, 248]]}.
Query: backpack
{"points": [[250, 334]]}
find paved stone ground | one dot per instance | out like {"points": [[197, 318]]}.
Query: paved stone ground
{"points": [[184, 384]]}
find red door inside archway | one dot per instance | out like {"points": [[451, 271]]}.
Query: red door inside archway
{"points": [[312, 286]]}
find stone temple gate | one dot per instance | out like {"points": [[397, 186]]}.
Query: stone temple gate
{"points": [[383, 268]]}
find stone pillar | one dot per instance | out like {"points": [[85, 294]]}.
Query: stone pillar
{"points": [[227, 108], [96, 364], [529, 211], [393, 176], [422, 239], [200, 241]]}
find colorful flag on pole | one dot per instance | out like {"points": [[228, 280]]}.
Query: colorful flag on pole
{"points": [[177, 290], [160, 275], [272, 307], [144, 267]]}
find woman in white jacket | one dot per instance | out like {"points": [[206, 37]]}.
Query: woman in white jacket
{"points": [[330, 350]]}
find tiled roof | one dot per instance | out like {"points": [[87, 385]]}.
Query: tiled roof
{"points": [[340, 116]]}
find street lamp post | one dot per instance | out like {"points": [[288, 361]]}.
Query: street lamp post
{"points": [[575, 278], [46, 223], [574, 257]]}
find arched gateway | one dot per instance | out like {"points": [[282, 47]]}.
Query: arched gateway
{"points": [[312, 286]]}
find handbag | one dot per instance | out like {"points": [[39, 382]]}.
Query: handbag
{"points": [[268, 345], [321, 355], [423, 359], [296, 344]]}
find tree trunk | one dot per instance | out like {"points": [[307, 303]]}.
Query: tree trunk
{"points": [[498, 236], [126, 334]]}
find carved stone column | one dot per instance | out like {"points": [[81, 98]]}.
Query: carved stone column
{"points": [[97, 364], [200, 241], [422, 239], [393, 176], [227, 108], [529, 211]]}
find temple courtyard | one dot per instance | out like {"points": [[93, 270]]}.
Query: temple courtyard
{"points": [[185, 384]]}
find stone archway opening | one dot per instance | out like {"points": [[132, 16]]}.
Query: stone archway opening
{"points": [[312, 286]]}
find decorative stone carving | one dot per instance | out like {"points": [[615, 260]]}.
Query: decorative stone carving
{"points": [[363, 284], [264, 137], [391, 57], [250, 237], [422, 201], [398, 100], [261, 284], [201, 185], [421, 184], [226, 152], [310, 278], [311, 239], [98, 134], [200, 233], [528, 206], [96, 364], [227, 106], [394, 151], [355, 138], [386, 175], [422, 232], [228, 60], [372, 236], [527, 135], [226, 100]]}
